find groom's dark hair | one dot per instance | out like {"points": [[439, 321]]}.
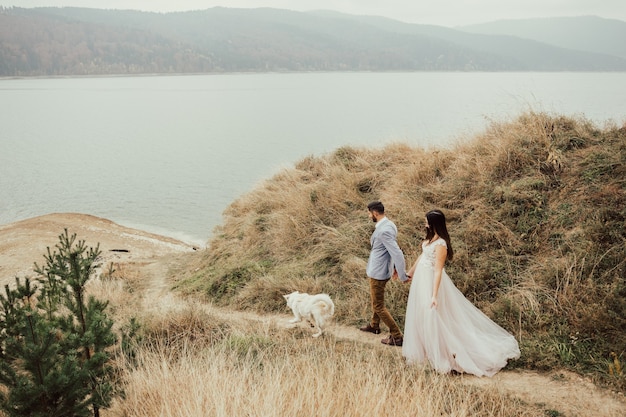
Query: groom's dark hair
{"points": [[376, 206]]}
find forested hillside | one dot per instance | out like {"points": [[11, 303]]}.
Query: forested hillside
{"points": [[80, 41]]}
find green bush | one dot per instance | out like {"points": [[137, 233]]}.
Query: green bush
{"points": [[54, 340]]}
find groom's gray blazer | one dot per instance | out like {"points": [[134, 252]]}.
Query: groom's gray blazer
{"points": [[385, 253]]}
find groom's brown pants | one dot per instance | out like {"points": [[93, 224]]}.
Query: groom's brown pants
{"points": [[380, 312]]}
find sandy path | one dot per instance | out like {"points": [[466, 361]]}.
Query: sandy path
{"points": [[25, 242]]}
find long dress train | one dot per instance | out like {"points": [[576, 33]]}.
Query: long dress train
{"points": [[455, 335]]}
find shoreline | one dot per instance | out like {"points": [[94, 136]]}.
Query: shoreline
{"points": [[25, 242], [178, 235]]}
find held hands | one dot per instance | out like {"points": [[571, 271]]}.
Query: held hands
{"points": [[396, 277], [410, 273]]}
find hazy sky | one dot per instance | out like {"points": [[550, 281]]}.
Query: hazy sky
{"points": [[436, 12]]}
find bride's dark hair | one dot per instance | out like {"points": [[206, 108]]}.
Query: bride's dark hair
{"points": [[437, 225]]}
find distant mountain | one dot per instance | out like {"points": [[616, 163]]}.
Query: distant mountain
{"points": [[604, 45], [587, 33], [80, 41]]}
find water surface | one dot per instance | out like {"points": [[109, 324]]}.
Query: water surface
{"points": [[167, 154]]}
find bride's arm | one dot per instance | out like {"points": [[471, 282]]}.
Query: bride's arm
{"points": [[411, 271], [441, 252]]}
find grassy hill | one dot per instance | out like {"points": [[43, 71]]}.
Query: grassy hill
{"points": [[537, 214]]}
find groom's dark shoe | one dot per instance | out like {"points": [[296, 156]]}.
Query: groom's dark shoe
{"points": [[392, 341], [370, 329]]}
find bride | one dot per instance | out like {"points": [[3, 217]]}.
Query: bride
{"points": [[442, 326]]}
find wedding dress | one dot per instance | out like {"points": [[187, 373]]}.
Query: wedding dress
{"points": [[455, 335]]}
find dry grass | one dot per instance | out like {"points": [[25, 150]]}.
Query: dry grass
{"points": [[537, 214], [219, 383], [252, 370], [117, 284], [190, 359]]}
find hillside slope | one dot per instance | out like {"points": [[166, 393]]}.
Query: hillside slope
{"points": [[533, 44], [600, 35], [152, 260], [81, 41], [537, 215]]}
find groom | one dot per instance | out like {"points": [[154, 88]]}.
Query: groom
{"points": [[386, 260]]}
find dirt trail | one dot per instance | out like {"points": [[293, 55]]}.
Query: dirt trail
{"points": [[562, 391], [24, 242]]}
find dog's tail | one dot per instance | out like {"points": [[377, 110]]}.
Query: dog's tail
{"points": [[331, 307], [326, 304]]}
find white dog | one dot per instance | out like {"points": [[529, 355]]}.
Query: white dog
{"points": [[316, 309]]}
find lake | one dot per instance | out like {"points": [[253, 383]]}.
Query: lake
{"points": [[167, 154]]}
